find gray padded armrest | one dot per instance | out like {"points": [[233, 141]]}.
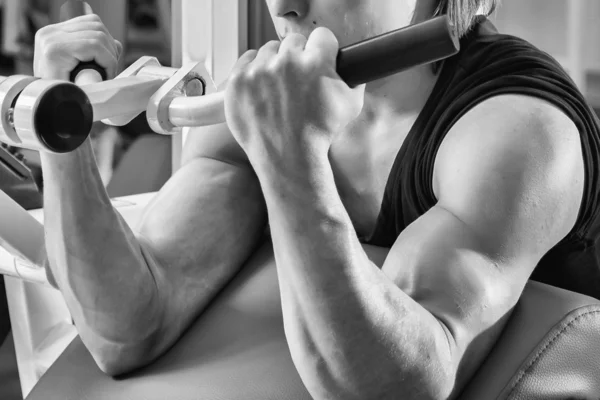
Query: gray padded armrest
{"points": [[237, 351], [550, 349]]}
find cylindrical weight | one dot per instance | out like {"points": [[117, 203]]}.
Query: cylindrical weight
{"points": [[53, 116], [10, 89]]}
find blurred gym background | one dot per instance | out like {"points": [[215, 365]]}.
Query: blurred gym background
{"points": [[567, 29]]}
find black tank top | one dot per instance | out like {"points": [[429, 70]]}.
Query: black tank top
{"points": [[491, 64]]}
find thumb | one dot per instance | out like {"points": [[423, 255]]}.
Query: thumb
{"points": [[119, 46], [323, 44]]}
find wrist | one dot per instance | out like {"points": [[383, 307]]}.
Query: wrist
{"points": [[294, 167], [289, 158], [298, 184]]}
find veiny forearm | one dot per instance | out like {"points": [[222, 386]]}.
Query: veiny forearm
{"points": [[95, 258], [353, 333]]}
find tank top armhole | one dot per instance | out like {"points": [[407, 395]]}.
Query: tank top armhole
{"points": [[589, 201]]}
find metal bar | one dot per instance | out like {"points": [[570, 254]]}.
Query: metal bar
{"points": [[176, 61], [125, 96], [121, 97], [198, 111]]}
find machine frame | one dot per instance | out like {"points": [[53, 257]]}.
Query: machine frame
{"points": [[41, 323]]}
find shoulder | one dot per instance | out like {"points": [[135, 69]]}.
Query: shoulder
{"points": [[512, 131], [518, 156]]}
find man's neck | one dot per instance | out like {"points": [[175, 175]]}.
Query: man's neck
{"points": [[396, 97], [405, 92]]}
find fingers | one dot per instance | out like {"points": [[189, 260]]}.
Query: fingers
{"points": [[81, 18], [106, 41], [91, 23], [119, 46], [88, 49], [60, 47], [90, 30], [76, 26], [101, 30], [323, 45], [267, 52], [293, 43], [263, 55], [243, 62]]}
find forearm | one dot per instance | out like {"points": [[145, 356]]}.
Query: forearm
{"points": [[352, 332], [95, 258]]}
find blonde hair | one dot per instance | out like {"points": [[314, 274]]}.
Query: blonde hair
{"points": [[462, 13]]}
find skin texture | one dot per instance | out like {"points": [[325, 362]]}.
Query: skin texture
{"points": [[194, 235], [313, 155], [509, 180]]}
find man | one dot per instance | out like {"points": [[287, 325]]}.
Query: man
{"points": [[461, 177]]}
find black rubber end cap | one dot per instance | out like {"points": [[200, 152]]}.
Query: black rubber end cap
{"points": [[64, 119]]}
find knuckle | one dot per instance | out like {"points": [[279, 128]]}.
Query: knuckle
{"points": [[248, 57], [312, 62], [94, 18], [42, 35], [274, 67], [288, 58], [250, 53], [236, 80], [270, 47], [283, 63], [97, 26], [51, 48], [97, 36], [255, 74], [233, 78]]}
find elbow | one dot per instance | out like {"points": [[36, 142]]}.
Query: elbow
{"points": [[120, 360], [115, 368], [115, 359], [430, 374], [439, 379], [431, 380], [425, 385], [438, 374]]}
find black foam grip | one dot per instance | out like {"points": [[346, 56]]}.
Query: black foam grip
{"points": [[87, 65], [396, 51], [64, 118], [72, 9]]}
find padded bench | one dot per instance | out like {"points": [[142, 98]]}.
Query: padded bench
{"points": [[236, 350]]}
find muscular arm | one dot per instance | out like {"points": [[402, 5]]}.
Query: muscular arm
{"points": [[509, 182], [132, 293]]}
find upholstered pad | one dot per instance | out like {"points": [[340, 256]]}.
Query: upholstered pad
{"points": [[550, 349], [237, 350]]}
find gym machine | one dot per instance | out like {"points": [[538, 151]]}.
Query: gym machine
{"points": [[242, 352], [57, 117]]}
